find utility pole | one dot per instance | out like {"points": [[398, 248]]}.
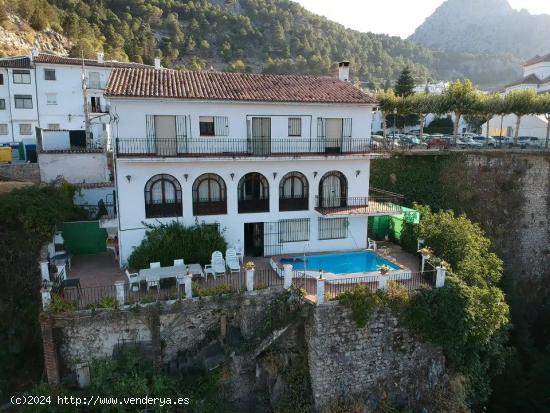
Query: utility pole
{"points": [[86, 108]]}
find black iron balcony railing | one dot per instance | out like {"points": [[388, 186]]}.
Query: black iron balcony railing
{"points": [[163, 210], [293, 204], [209, 207], [372, 205], [236, 147], [253, 205]]}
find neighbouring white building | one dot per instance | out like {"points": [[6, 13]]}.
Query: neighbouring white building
{"points": [[536, 76], [280, 163], [57, 93]]}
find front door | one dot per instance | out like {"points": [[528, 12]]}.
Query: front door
{"points": [[333, 143], [254, 239], [261, 136], [165, 135]]}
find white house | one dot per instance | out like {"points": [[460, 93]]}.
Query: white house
{"points": [[18, 106], [280, 163], [536, 76], [54, 92]]}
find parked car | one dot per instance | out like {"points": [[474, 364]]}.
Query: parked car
{"points": [[484, 140], [530, 142], [469, 142], [503, 141], [439, 143]]}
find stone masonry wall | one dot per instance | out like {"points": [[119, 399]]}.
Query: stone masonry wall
{"points": [[371, 363], [21, 172]]}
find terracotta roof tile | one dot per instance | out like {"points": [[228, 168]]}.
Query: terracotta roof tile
{"points": [[537, 59], [64, 60], [210, 85], [23, 62]]}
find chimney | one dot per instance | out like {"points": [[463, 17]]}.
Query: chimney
{"points": [[100, 57], [343, 71], [157, 63], [34, 52]]}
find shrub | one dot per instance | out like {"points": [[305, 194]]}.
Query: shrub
{"points": [[60, 304], [200, 291], [362, 302], [167, 242]]}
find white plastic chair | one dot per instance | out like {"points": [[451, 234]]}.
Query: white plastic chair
{"points": [[179, 263], [217, 264], [154, 265], [232, 261], [153, 281], [133, 280], [371, 244], [239, 251]]}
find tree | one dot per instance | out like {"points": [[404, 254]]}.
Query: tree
{"points": [[460, 98], [488, 106], [543, 108], [521, 103], [388, 103], [422, 104], [405, 84]]}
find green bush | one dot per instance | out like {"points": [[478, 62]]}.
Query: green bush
{"points": [[200, 291], [362, 302], [168, 242], [60, 304]]}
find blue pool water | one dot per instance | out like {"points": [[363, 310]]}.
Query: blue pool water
{"points": [[340, 263]]}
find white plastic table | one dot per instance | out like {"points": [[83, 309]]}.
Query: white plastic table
{"points": [[162, 272]]}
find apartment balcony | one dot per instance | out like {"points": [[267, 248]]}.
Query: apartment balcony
{"points": [[209, 207], [379, 202], [293, 204], [242, 147], [98, 108]]}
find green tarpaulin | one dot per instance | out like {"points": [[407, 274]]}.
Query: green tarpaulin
{"points": [[392, 225], [84, 237]]}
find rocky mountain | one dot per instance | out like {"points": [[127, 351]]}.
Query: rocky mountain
{"points": [[485, 26]]}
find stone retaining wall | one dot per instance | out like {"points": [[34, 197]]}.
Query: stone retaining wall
{"points": [[20, 172]]}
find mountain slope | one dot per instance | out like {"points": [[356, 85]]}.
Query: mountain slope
{"points": [[273, 36], [484, 26]]}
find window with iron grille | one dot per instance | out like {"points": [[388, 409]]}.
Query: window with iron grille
{"points": [[294, 230], [294, 126], [49, 74], [209, 195], [23, 101], [51, 98], [2, 104], [163, 197], [22, 76], [3, 128], [333, 228]]}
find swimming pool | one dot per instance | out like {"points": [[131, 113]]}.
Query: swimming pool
{"points": [[341, 263]]}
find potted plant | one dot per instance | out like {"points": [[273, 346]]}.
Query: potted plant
{"points": [[249, 266], [425, 252], [384, 269]]}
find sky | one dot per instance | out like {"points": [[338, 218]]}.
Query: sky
{"points": [[394, 17]]}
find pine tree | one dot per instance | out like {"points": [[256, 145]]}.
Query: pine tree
{"points": [[405, 84]]}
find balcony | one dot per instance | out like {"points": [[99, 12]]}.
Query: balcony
{"points": [[209, 207], [98, 108], [379, 202], [235, 147], [293, 204], [253, 205]]}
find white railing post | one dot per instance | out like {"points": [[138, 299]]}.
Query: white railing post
{"points": [[419, 243], [287, 273], [440, 277], [320, 291], [382, 282], [188, 286], [44, 271], [250, 280], [46, 297], [120, 296]]}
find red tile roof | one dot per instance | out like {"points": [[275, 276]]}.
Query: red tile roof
{"points": [[64, 60], [537, 59], [22, 62], [210, 85]]}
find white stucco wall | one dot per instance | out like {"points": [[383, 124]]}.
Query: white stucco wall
{"points": [[74, 167], [542, 70], [132, 204], [531, 125]]}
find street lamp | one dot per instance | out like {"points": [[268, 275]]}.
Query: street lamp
{"points": [[394, 126]]}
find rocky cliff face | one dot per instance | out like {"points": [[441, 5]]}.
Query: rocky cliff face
{"points": [[18, 38], [484, 26]]}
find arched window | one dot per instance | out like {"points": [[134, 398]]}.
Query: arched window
{"points": [[333, 190], [209, 195], [293, 192], [163, 197], [253, 193]]}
